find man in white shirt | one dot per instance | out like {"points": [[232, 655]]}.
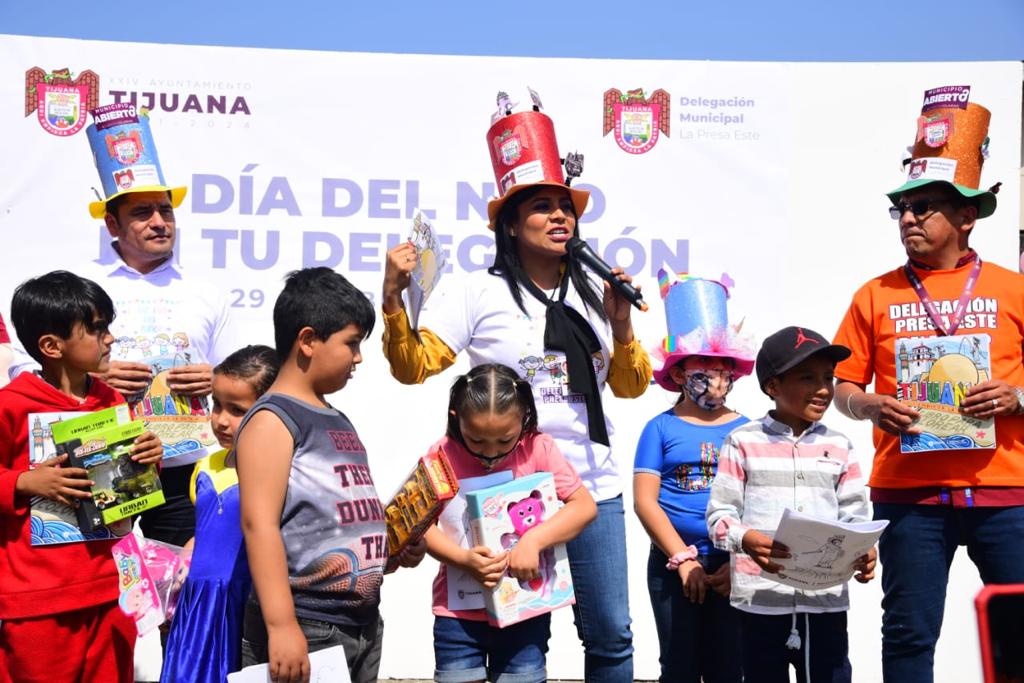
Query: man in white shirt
{"points": [[160, 312]]}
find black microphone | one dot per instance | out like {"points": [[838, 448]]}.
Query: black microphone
{"points": [[581, 251]]}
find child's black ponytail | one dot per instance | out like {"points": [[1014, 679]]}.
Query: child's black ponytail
{"points": [[493, 388], [256, 365]]}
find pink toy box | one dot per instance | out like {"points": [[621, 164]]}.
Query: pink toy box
{"points": [[150, 574], [498, 516]]}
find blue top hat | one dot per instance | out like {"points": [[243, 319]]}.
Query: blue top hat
{"points": [[125, 156]]}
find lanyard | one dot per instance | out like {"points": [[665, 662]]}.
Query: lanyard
{"points": [[929, 305]]}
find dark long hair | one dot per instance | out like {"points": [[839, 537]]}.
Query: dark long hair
{"points": [[492, 388], [506, 258]]}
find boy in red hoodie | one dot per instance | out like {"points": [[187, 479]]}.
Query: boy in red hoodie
{"points": [[59, 619]]}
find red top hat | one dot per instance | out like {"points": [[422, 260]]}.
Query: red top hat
{"points": [[524, 153]]}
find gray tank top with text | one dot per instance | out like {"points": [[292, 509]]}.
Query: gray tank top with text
{"points": [[332, 522]]}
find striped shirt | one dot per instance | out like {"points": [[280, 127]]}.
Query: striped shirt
{"points": [[763, 468]]}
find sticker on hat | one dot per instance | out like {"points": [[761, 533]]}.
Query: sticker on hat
{"points": [[932, 168], [947, 96], [125, 155], [935, 131]]}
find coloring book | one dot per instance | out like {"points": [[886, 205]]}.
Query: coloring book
{"points": [[932, 375], [822, 552], [430, 265]]}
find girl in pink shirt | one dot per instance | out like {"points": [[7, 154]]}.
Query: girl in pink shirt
{"points": [[492, 426]]}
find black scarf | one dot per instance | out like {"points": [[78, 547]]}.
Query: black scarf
{"points": [[567, 331]]}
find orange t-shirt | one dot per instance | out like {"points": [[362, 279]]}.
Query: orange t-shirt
{"points": [[886, 309]]}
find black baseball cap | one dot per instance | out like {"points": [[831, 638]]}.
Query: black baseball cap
{"points": [[791, 346]]}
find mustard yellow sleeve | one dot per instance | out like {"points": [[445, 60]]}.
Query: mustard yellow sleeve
{"points": [[413, 359], [630, 372]]}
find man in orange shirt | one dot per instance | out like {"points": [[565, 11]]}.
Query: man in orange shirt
{"points": [[941, 338]]}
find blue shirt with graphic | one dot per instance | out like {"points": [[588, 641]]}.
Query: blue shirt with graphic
{"points": [[685, 456]]}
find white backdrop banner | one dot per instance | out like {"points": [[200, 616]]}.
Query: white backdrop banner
{"points": [[772, 172]]}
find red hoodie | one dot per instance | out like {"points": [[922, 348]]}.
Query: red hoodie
{"points": [[44, 580]]}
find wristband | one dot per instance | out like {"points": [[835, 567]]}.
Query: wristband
{"points": [[682, 556]]}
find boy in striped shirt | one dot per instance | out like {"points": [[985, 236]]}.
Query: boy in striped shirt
{"points": [[788, 459]]}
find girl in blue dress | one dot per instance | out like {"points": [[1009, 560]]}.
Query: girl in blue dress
{"points": [[205, 642]]}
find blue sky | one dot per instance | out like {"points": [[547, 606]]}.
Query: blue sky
{"points": [[793, 30]]}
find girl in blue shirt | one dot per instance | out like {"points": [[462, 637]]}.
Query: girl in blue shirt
{"points": [[676, 461]]}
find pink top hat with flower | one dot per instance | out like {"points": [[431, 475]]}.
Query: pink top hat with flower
{"points": [[698, 325]]}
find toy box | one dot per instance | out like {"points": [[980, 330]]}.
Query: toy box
{"points": [[53, 522], [498, 516], [418, 503], [99, 444], [150, 575]]}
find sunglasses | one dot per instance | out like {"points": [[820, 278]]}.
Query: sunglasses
{"points": [[918, 207]]}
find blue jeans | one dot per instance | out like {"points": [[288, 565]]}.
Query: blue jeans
{"points": [[597, 558], [767, 658], [916, 551], [695, 640], [466, 650]]}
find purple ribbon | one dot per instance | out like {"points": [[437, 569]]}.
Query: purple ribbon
{"points": [[929, 305]]}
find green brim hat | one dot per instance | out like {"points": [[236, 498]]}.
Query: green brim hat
{"points": [[986, 198], [950, 147]]}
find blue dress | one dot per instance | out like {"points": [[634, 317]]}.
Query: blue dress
{"points": [[206, 635]]}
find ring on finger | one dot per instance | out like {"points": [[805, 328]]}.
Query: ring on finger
{"points": [[995, 403]]}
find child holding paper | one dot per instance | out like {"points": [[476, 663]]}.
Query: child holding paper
{"points": [[492, 426], [313, 523], [676, 461], [788, 459], [58, 603], [205, 643]]}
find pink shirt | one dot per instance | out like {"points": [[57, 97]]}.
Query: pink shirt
{"points": [[536, 452]]}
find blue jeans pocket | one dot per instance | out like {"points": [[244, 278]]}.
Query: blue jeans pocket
{"points": [[318, 633]]}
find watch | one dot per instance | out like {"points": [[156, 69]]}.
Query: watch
{"points": [[1020, 399]]}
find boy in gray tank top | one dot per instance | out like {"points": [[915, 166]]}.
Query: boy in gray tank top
{"points": [[313, 523]]}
